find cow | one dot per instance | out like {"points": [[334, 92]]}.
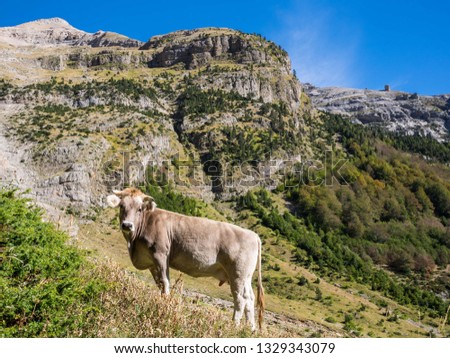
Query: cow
{"points": [[158, 239]]}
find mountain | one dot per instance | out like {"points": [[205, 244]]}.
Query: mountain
{"points": [[401, 112], [212, 122], [58, 32], [215, 78]]}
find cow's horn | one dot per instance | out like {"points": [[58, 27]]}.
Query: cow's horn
{"points": [[150, 201], [118, 193]]}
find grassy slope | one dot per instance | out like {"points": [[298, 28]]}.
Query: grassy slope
{"points": [[104, 240], [340, 299]]}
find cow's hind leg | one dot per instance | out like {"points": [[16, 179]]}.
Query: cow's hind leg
{"points": [[249, 297], [237, 290]]}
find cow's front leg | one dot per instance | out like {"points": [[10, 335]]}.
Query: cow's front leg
{"points": [[155, 273], [160, 273]]}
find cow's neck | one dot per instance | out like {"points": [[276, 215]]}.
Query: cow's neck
{"points": [[140, 227]]}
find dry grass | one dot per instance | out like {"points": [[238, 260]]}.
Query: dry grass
{"points": [[130, 308]]}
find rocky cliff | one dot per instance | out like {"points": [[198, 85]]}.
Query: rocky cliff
{"points": [[198, 47], [396, 111], [198, 95]]}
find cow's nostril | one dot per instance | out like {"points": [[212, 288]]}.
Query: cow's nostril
{"points": [[127, 226]]}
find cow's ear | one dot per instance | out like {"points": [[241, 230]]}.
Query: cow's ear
{"points": [[149, 203], [113, 200]]}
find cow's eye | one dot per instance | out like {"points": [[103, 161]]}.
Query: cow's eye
{"points": [[140, 209]]}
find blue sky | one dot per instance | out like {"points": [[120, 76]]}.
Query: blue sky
{"points": [[362, 44]]}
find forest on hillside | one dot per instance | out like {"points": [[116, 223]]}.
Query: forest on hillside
{"points": [[388, 211]]}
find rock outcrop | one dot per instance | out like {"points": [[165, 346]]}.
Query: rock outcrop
{"points": [[260, 62], [396, 111], [107, 39], [196, 48]]}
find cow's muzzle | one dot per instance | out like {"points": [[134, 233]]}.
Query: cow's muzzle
{"points": [[127, 226]]}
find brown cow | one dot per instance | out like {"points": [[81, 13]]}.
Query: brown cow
{"points": [[158, 239]]}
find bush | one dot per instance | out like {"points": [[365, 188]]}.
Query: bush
{"points": [[350, 325], [318, 294], [302, 281], [400, 261], [43, 293]]}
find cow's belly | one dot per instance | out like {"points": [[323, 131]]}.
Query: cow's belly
{"points": [[196, 268]]}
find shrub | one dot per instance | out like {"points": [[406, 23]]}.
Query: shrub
{"points": [[318, 294], [43, 293], [302, 281]]}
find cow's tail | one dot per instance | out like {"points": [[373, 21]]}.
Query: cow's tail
{"points": [[260, 291]]}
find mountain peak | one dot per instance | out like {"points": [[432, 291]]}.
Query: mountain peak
{"points": [[43, 25], [53, 21], [43, 32], [56, 32]]}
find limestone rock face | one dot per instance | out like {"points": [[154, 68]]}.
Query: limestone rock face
{"points": [[196, 48], [79, 108], [258, 62], [260, 85], [396, 111]]}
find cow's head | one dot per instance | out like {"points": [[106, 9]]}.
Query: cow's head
{"points": [[133, 204]]}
